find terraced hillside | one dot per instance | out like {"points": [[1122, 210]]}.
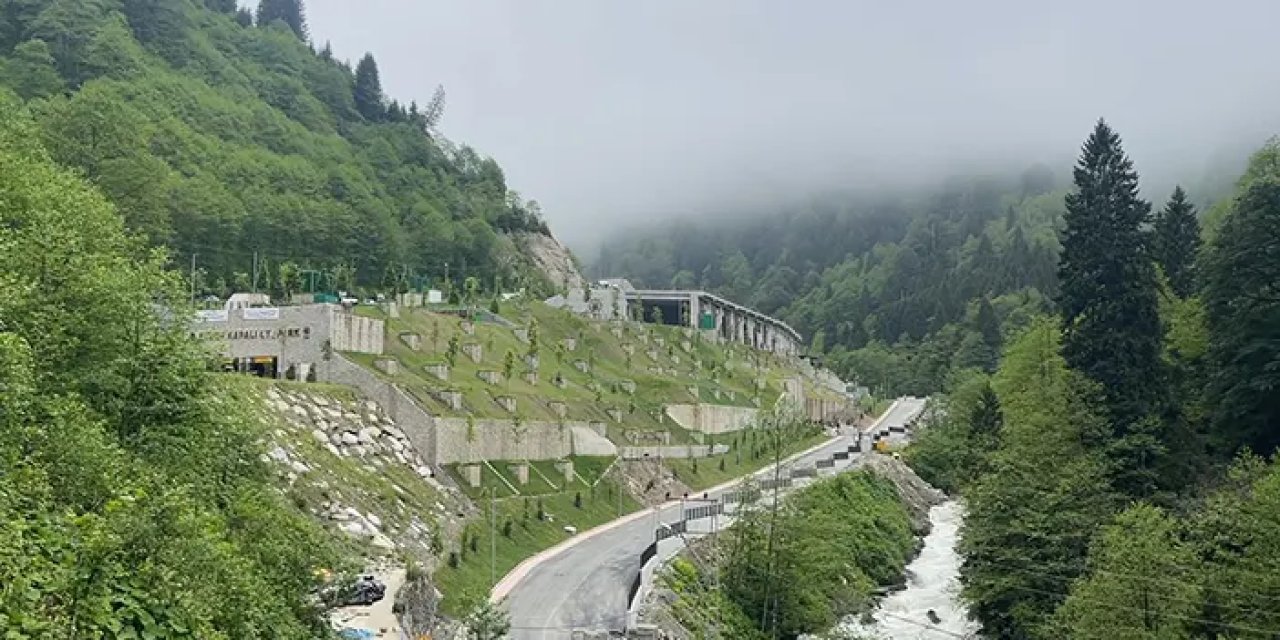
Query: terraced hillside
{"points": [[537, 363]]}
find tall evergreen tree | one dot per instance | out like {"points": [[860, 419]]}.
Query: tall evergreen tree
{"points": [[1109, 304], [368, 89], [290, 12], [1242, 300], [221, 6], [1176, 242], [988, 325]]}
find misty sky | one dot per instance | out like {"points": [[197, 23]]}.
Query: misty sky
{"points": [[615, 111]]}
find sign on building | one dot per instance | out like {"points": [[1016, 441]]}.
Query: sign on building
{"points": [[261, 313]]}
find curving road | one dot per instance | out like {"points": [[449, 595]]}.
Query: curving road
{"points": [[583, 583]]}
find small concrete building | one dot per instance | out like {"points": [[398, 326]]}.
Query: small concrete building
{"points": [[286, 342]]}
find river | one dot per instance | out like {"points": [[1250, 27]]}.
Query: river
{"points": [[933, 583]]}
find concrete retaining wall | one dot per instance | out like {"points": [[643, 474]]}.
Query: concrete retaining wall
{"points": [[418, 425], [820, 410], [588, 442], [350, 332], [672, 451], [712, 418], [496, 440]]}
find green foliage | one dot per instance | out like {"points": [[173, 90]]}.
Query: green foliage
{"points": [[1109, 304], [1242, 310], [487, 622], [289, 12], [956, 449], [224, 142], [368, 89], [831, 544], [131, 498], [1176, 243], [889, 285], [1043, 484], [452, 351], [1140, 584], [30, 71]]}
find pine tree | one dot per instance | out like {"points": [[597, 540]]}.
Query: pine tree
{"points": [[1242, 304], [1176, 242], [988, 325], [368, 89], [221, 6], [244, 18], [288, 11], [1108, 300]]}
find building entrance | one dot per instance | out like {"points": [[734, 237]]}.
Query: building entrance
{"points": [[262, 366]]}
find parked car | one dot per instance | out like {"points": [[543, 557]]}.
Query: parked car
{"points": [[365, 591]]}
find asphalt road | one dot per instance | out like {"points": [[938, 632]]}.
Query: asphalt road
{"points": [[585, 585]]}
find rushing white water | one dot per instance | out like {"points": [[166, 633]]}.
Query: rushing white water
{"points": [[933, 584]]}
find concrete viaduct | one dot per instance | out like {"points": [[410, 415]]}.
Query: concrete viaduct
{"points": [[711, 313]]}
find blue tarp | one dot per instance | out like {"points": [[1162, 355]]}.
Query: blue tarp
{"points": [[355, 634]]}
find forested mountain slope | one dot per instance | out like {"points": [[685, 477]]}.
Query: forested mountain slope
{"points": [[132, 500], [896, 288], [222, 139], [1110, 465]]}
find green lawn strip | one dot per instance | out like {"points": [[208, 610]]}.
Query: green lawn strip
{"points": [[709, 474], [474, 575], [590, 468], [489, 481]]}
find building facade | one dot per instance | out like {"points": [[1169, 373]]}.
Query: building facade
{"points": [[291, 342]]}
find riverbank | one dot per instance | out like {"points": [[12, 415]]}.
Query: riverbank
{"points": [[836, 544], [929, 608]]}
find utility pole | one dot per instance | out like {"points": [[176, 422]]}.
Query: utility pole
{"points": [[493, 541], [254, 285], [193, 278]]}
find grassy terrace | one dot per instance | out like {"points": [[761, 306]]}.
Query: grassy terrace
{"points": [[544, 478], [729, 369]]}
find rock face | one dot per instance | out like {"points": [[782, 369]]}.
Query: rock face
{"points": [[550, 258], [917, 495], [362, 433], [419, 604]]}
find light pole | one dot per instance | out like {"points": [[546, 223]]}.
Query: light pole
{"points": [[493, 541]]}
